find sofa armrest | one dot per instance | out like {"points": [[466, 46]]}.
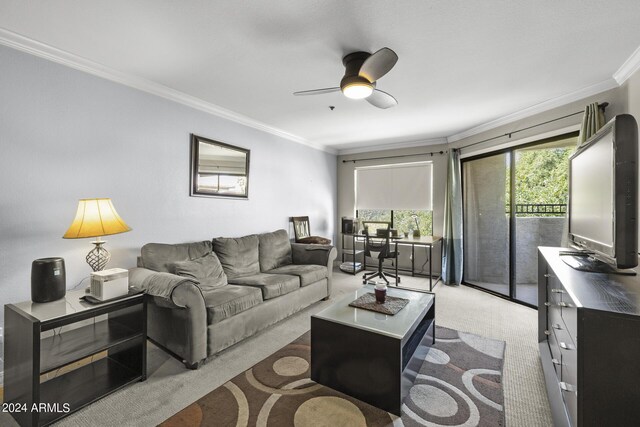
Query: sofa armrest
{"points": [[160, 285], [185, 297], [313, 254]]}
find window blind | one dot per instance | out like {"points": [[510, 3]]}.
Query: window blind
{"points": [[399, 186]]}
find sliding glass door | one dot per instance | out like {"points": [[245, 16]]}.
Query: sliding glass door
{"points": [[514, 201], [486, 226]]}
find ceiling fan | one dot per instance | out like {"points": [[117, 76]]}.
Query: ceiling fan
{"points": [[363, 70]]}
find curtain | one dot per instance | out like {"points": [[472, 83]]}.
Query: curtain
{"points": [[452, 238], [592, 121]]}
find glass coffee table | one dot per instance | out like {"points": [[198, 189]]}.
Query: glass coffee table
{"points": [[372, 356]]}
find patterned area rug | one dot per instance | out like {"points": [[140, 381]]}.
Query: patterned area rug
{"points": [[460, 383]]}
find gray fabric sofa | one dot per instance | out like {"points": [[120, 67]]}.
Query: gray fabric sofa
{"points": [[206, 296]]}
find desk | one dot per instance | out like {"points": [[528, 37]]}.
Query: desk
{"points": [[426, 241]]}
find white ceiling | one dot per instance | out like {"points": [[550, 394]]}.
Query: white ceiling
{"points": [[462, 63]]}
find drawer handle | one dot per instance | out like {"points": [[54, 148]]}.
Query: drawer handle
{"points": [[566, 346], [567, 387], [557, 291], [547, 275], [556, 362], [547, 304], [547, 332], [556, 326], [565, 304]]}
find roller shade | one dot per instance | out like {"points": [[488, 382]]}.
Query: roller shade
{"points": [[402, 186]]}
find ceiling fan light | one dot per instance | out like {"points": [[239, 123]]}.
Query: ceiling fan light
{"points": [[357, 90]]}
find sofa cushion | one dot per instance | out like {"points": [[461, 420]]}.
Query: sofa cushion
{"points": [[308, 273], [238, 256], [161, 256], [275, 250], [207, 270], [229, 300], [272, 285]]}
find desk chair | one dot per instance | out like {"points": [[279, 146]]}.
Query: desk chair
{"points": [[382, 246], [302, 232]]}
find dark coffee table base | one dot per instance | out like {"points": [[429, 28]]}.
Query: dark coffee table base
{"points": [[375, 368]]}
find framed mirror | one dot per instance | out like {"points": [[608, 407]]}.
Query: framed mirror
{"points": [[218, 169]]}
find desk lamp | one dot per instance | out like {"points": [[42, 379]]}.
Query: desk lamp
{"points": [[96, 218]]}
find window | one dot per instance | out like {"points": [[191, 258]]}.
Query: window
{"points": [[401, 220], [396, 193], [396, 186]]}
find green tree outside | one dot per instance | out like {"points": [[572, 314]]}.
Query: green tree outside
{"points": [[542, 177], [402, 219]]}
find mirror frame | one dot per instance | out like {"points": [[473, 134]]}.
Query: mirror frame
{"points": [[195, 155]]}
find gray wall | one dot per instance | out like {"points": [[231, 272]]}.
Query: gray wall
{"points": [[618, 104], [67, 135], [630, 93]]}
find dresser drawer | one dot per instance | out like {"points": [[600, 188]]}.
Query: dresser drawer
{"points": [[569, 353], [554, 316], [556, 355], [570, 398], [569, 314], [569, 376], [555, 290]]}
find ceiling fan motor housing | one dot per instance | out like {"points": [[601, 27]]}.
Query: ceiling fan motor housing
{"points": [[352, 63]]}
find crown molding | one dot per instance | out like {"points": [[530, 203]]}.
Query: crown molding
{"points": [[42, 50], [537, 109], [393, 146], [630, 66]]}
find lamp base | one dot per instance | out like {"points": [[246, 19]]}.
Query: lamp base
{"points": [[98, 257]]}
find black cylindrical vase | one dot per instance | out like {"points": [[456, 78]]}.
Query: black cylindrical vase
{"points": [[48, 280]]}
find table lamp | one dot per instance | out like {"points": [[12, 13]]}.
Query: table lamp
{"points": [[96, 218]]}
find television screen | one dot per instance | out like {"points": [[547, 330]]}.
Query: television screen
{"points": [[603, 187], [591, 203]]}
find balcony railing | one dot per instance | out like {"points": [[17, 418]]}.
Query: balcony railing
{"points": [[541, 209]]}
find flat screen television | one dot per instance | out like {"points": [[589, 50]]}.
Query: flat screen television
{"points": [[603, 199]]}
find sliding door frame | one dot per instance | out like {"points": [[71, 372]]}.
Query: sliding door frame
{"points": [[512, 208]]}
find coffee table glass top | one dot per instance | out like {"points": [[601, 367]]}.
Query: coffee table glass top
{"points": [[396, 326]]}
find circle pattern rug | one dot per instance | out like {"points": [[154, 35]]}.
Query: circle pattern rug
{"points": [[459, 384]]}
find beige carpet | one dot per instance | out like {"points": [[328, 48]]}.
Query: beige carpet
{"points": [[170, 387]]}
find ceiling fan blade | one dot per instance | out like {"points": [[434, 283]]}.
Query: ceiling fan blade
{"points": [[381, 99], [378, 64], [317, 91]]}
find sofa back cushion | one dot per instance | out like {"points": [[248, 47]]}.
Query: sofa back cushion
{"points": [[161, 256], [275, 250], [238, 256], [207, 270]]}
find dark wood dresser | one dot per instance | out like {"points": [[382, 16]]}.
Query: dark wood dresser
{"points": [[589, 339]]}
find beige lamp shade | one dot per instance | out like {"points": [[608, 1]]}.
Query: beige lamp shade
{"points": [[95, 218]]}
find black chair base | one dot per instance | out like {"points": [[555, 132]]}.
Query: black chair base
{"points": [[380, 274]]}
